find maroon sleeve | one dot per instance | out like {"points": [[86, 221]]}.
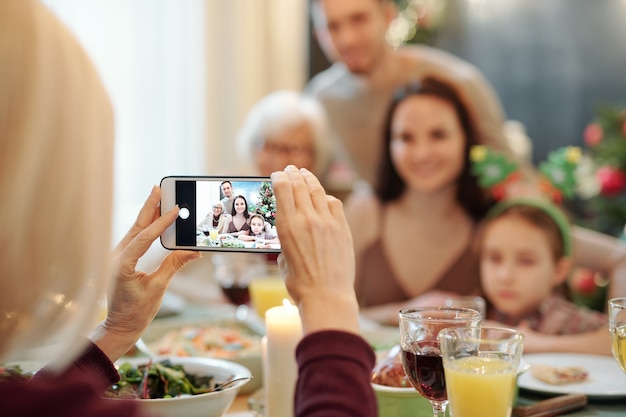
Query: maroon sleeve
{"points": [[334, 376], [93, 363], [77, 392]]}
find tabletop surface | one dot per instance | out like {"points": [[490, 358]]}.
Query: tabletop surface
{"points": [[240, 407]]}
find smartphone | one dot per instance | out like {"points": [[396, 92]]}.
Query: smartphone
{"points": [[231, 214]]}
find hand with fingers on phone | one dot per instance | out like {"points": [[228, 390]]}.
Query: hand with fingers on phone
{"points": [[317, 262], [137, 295]]}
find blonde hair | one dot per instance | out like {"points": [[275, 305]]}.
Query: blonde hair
{"points": [[56, 154], [279, 111]]}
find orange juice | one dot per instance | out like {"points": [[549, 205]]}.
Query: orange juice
{"points": [[619, 345], [266, 293], [213, 234], [480, 387]]}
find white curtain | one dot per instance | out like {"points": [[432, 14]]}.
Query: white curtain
{"points": [[182, 75], [255, 47]]}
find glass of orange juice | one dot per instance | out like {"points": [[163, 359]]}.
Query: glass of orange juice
{"points": [[267, 292], [213, 236], [481, 367], [617, 327]]}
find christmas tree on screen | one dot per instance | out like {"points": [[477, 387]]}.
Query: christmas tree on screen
{"points": [[266, 203]]}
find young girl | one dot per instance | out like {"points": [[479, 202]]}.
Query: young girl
{"points": [[257, 230], [525, 257]]}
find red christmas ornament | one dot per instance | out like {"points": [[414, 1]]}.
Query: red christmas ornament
{"points": [[593, 134], [612, 181], [583, 281]]}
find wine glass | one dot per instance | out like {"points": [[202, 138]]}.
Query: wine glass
{"points": [[617, 327], [233, 273], [421, 356], [481, 367]]}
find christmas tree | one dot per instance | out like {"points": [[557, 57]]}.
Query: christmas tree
{"points": [[266, 203], [604, 197]]}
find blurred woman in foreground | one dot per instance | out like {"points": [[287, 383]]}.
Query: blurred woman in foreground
{"points": [[56, 151]]}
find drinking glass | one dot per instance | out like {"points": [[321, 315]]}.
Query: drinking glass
{"points": [[214, 236], [474, 302], [233, 273], [259, 241], [617, 328], [481, 367], [421, 356]]}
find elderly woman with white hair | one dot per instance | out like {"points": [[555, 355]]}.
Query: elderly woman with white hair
{"points": [[217, 219], [285, 127]]}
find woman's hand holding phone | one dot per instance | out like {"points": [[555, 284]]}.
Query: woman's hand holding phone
{"points": [[137, 295], [317, 262]]}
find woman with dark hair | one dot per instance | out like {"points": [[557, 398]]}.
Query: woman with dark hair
{"points": [[238, 222], [416, 248], [421, 220]]}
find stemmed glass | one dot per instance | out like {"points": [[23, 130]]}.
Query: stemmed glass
{"points": [[617, 327], [421, 355], [233, 273]]}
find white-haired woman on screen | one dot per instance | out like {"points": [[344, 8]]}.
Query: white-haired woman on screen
{"points": [[217, 219], [285, 127]]}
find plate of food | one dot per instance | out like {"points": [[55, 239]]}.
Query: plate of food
{"points": [[219, 339], [596, 376]]}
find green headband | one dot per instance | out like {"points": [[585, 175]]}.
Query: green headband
{"points": [[545, 205]]}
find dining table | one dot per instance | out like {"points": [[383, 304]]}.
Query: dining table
{"points": [[241, 407], [378, 338]]}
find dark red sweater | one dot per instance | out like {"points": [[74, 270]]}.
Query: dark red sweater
{"points": [[75, 393], [334, 376]]}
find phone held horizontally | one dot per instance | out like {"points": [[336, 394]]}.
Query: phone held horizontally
{"points": [[233, 214]]}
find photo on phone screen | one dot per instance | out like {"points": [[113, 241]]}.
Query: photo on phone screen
{"points": [[221, 214]]}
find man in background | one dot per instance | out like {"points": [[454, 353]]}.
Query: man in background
{"points": [[357, 89], [227, 201]]}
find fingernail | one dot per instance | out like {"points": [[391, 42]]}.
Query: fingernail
{"points": [[291, 168], [305, 171]]}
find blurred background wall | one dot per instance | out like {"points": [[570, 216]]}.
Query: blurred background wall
{"points": [[183, 74], [551, 61]]}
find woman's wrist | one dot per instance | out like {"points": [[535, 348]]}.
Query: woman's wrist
{"points": [[325, 312], [115, 345]]}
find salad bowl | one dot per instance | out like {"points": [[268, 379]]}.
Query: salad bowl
{"points": [[210, 404]]}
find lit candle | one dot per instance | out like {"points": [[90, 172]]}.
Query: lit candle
{"points": [[280, 372]]}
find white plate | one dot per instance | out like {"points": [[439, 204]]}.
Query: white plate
{"points": [[606, 380]]}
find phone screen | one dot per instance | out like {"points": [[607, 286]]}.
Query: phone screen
{"points": [[221, 213]]}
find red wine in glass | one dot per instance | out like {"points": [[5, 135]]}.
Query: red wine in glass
{"points": [[237, 293], [425, 369]]}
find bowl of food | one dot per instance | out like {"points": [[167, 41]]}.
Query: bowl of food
{"points": [[179, 386], [218, 339], [395, 395]]}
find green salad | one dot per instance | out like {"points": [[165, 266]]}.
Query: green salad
{"points": [[14, 373], [158, 380], [233, 243]]}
